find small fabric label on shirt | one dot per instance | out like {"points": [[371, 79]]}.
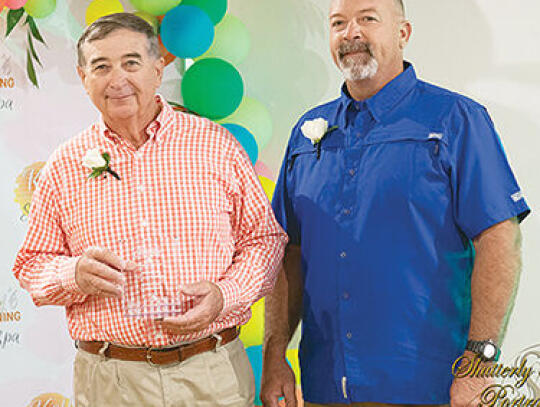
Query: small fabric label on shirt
{"points": [[437, 136], [517, 196]]}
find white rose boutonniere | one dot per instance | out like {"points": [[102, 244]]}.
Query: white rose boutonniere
{"points": [[315, 130], [98, 163]]}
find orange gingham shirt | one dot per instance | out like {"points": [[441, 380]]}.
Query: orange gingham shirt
{"points": [[188, 199]]}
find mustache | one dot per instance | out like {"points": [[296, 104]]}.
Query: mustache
{"points": [[347, 47]]}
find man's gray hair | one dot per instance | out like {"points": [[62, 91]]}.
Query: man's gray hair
{"points": [[103, 26]]}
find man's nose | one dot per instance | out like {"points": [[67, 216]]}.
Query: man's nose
{"points": [[118, 77], [353, 31]]}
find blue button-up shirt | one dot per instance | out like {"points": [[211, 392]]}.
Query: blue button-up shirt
{"points": [[385, 215]]}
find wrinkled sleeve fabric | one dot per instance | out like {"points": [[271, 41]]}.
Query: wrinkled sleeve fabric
{"points": [[281, 201], [259, 240], [483, 185], [44, 265]]}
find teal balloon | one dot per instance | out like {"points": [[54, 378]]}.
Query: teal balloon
{"points": [[155, 7], [187, 31], [246, 139], [255, 357], [212, 88], [215, 9]]}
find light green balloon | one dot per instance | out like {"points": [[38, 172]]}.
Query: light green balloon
{"points": [[40, 8], [149, 18], [155, 7], [231, 41], [254, 117]]}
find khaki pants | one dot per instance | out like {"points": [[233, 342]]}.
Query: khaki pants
{"points": [[220, 378], [374, 405]]}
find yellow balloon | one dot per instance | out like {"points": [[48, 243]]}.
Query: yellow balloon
{"points": [[100, 8], [252, 333], [268, 186], [292, 357]]}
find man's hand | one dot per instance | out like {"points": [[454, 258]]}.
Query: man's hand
{"points": [[466, 391], [277, 381], [208, 305], [99, 272]]}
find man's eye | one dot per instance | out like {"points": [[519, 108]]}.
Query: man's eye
{"points": [[338, 23], [369, 18], [132, 63], [100, 67]]}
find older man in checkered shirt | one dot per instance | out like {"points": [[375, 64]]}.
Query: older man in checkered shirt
{"points": [[181, 212]]}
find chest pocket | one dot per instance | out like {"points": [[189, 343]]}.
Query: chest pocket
{"points": [[405, 158], [312, 182]]}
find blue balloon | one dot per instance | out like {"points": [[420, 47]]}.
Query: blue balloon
{"points": [[255, 357], [187, 31], [246, 139]]}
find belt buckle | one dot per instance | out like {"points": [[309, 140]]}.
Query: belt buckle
{"points": [[149, 358], [151, 363]]}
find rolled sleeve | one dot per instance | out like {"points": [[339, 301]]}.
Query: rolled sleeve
{"points": [[259, 240], [44, 265], [230, 290]]}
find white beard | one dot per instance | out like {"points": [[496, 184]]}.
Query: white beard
{"points": [[357, 71]]}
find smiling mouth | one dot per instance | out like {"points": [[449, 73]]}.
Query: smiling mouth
{"points": [[344, 55], [119, 97], [354, 53]]}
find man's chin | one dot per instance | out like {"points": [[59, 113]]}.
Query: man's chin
{"points": [[121, 113], [357, 58], [359, 72]]}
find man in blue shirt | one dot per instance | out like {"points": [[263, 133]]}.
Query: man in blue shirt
{"points": [[402, 213]]}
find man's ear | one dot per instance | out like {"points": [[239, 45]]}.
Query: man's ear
{"points": [[82, 74], [159, 66], [405, 31]]}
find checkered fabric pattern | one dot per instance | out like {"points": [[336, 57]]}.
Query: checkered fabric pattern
{"points": [[188, 207]]}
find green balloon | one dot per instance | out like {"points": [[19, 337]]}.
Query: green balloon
{"points": [[215, 9], [212, 88], [255, 117], [231, 41], [40, 8], [155, 7]]}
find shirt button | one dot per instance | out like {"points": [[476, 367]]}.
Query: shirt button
{"points": [[349, 335], [358, 134], [352, 171], [346, 211], [141, 188], [343, 255], [144, 223], [345, 295]]}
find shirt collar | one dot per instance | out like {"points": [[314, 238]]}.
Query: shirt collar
{"points": [[155, 127], [384, 100]]}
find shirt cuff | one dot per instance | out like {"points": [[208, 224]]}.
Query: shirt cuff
{"points": [[66, 273], [231, 296]]}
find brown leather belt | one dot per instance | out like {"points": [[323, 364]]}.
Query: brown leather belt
{"points": [[159, 356]]}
